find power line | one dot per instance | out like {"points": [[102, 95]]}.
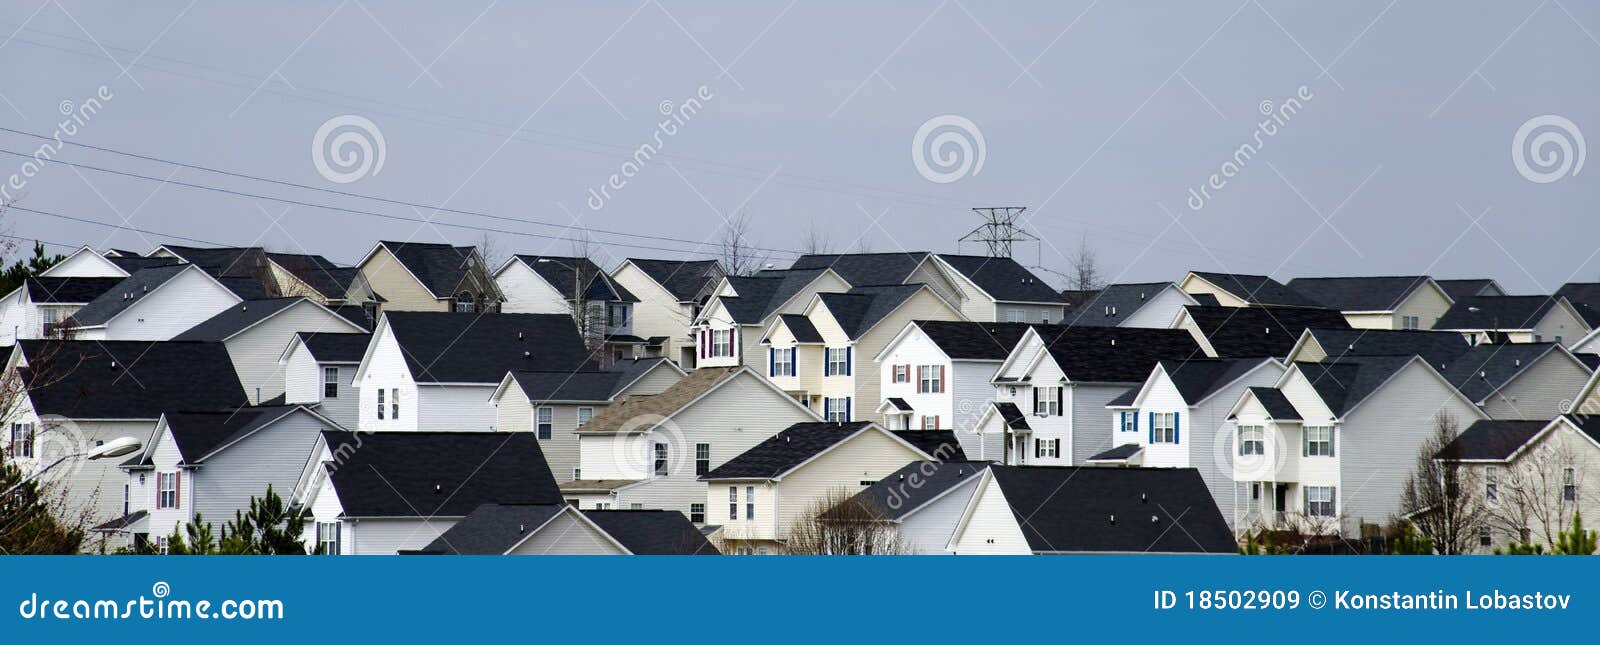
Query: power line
{"points": [[119, 227]]}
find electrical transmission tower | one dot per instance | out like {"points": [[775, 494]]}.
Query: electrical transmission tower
{"points": [[1000, 229]]}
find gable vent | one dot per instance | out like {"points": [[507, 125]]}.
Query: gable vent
{"points": [[437, 489], [1113, 519]]}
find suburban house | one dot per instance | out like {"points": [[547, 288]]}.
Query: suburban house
{"points": [[936, 374], [38, 307], [1520, 381], [648, 450], [759, 496], [156, 303], [923, 501], [824, 357], [1531, 474], [379, 493], [670, 294], [1585, 297], [436, 371], [319, 279], [1515, 319], [74, 395], [418, 276], [562, 529], [1317, 344], [206, 465], [553, 404], [1379, 302], [1327, 448], [982, 288], [1040, 510], [1178, 418], [243, 270], [1244, 332], [1050, 393], [89, 263], [602, 309], [1146, 304], [1470, 287], [320, 370], [255, 332], [732, 324], [1241, 290]]}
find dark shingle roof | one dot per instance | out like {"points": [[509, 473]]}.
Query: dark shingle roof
{"points": [[1436, 347], [425, 474], [1011, 415], [336, 348], [1585, 296], [653, 532], [68, 290], [966, 340], [865, 268], [1468, 287], [894, 497], [1276, 404], [1257, 289], [1483, 370], [762, 294], [133, 263], [939, 444], [199, 433], [1119, 453], [1115, 354], [241, 261], [129, 379], [783, 451], [1110, 306], [238, 317], [1129, 510], [493, 529], [683, 279], [1198, 378], [440, 267], [861, 308], [1002, 278], [481, 348], [1491, 439], [122, 296], [1343, 384], [1496, 312], [1374, 293], [1260, 331], [328, 279], [591, 386], [558, 272], [801, 328]]}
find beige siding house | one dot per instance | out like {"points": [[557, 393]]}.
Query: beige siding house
{"points": [[416, 276], [1390, 302], [1532, 475]]}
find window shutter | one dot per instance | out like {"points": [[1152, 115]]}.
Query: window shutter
{"points": [[1122, 421], [1175, 428], [849, 368], [941, 379], [1135, 414], [1305, 441], [827, 408], [1060, 401], [702, 343], [1152, 427], [794, 361], [177, 485], [772, 361], [1035, 400], [1330, 441], [827, 362], [1333, 499], [338, 532], [847, 416]]}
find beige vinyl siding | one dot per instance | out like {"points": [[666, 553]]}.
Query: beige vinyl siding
{"points": [[655, 381], [1427, 303], [1543, 391], [658, 312], [922, 306], [1311, 352], [1195, 285], [767, 524], [567, 535], [255, 351], [399, 288], [957, 290], [1372, 321], [1558, 448], [837, 474]]}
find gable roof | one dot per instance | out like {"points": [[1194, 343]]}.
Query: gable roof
{"points": [[1468, 287], [1436, 347], [652, 532], [482, 348], [939, 444], [761, 294], [1114, 354], [1360, 293], [495, 529], [1259, 331], [894, 497], [968, 340], [133, 263], [1585, 296], [1497, 312], [624, 415], [239, 317], [1010, 414], [243, 270], [329, 280], [783, 452], [335, 348], [125, 294], [45, 290], [1113, 304], [198, 434], [1124, 510], [1256, 289], [428, 474], [861, 308], [582, 386], [1343, 384], [1483, 370], [684, 279], [1491, 439], [1198, 378], [865, 268], [441, 268], [128, 379], [801, 328], [558, 272], [1002, 278], [1276, 404]]}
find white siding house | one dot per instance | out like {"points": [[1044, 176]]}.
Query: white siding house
{"points": [[153, 304]]}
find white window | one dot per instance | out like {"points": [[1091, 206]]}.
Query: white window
{"points": [[1165, 429], [839, 361], [602, 506], [330, 382], [584, 415], [836, 410], [749, 502], [1319, 441], [1410, 322], [394, 403], [636, 506], [546, 422], [1015, 315], [1130, 421], [1491, 483], [930, 422], [166, 490], [733, 502], [617, 314], [328, 537], [783, 362], [1319, 501], [1569, 485], [380, 404], [697, 513], [722, 342], [930, 378], [52, 316], [1252, 440], [661, 460], [702, 458], [1047, 448], [902, 374], [22, 440], [1047, 401], [577, 473]]}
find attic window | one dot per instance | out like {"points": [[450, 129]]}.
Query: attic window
{"points": [[465, 303]]}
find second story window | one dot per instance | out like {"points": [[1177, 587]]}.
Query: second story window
{"points": [[697, 513], [465, 303], [584, 415], [782, 362], [1252, 440], [930, 422], [838, 361], [1491, 483], [21, 440], [380, 404], [1047, 401], [617, 314], [702, 458], [330, 382], [1318, 441], [902, 374], [733, 502], [836, 409], [1163, 427], [661, 459], [749, 502], [722, 342], [930, 378], [545, 424], [167, 488], [394, 403], [1569, 485]]}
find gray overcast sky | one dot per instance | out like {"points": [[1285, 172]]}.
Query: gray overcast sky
{"points": [[1098, 116]]}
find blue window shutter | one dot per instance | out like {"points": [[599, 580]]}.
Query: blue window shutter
{"points": [[847, 407], [1175, 428], [1152, 427], [827, 362], [1122, 421], [827, 408], [772, 361], [849, 365], [1135, 420]]}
